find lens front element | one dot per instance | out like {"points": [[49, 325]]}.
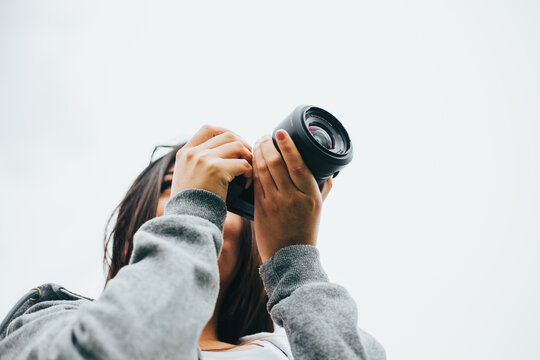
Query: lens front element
{"points": [[326, 131], [321, 136]]}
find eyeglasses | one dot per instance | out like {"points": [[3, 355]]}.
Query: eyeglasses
{"points": [[159, 152]]}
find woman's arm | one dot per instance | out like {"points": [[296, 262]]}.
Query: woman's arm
{"points": [[319, 317], [155, 308]]}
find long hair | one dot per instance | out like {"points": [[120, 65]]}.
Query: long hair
{"points": [[242, 309]]}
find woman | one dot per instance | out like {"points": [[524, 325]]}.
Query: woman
{"points": [[183, 277]]}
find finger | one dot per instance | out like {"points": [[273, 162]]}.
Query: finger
{"points": [[298, 171], [276, 165], [223, 138], [265, 177], [231, 150], [205, 132], [326, 187], [258, 191], [236, 167]]}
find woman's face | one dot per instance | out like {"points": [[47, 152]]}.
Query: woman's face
{"points": [[231, 232]]}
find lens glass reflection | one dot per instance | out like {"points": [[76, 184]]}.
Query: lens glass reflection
{"points": [[326, 131], [321, 136]]}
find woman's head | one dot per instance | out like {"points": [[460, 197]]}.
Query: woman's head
{"points": [[242, 300]]}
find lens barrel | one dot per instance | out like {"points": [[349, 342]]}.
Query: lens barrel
{"points": [[312, 129], [321, 140]]}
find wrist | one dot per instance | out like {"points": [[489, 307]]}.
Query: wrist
{"points": [[290, 268], [198, 202]]}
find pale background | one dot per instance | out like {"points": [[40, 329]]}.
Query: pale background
{"points": [[433, 228]]}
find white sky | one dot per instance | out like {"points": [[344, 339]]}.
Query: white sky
{"points": [[433, 228]]}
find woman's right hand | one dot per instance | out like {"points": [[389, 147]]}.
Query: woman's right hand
{"points": [[210, 160]]}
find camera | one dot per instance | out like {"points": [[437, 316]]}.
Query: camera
{"points": [[321, 140]]}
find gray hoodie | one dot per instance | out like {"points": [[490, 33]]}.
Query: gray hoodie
{"points": [[157, 306]]}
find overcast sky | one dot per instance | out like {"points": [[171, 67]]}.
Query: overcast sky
{"points": [[434, 226]]}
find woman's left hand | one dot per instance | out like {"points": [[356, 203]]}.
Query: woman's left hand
{"points": [[287, 198]]}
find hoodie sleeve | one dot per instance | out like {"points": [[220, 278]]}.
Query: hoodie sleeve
{"points": [[154, 308], [320, 318]]}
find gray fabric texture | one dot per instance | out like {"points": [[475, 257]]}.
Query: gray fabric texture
{"points": [[157, 306], [319, 317]]}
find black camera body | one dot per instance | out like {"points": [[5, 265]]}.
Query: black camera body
{"points": [[321, 140]]}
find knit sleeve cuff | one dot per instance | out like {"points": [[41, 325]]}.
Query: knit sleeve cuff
{"points": [[198, 202], [290, 268]]}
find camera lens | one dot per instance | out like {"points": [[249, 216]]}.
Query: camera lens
{"points": [[321, 136]]}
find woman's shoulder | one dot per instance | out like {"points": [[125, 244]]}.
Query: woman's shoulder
{"points": [[278, 338]]}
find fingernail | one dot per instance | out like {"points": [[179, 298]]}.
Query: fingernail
{"points": [[280, 134]]}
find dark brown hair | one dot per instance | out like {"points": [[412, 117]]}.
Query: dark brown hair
{"points": [[242, 309]]}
